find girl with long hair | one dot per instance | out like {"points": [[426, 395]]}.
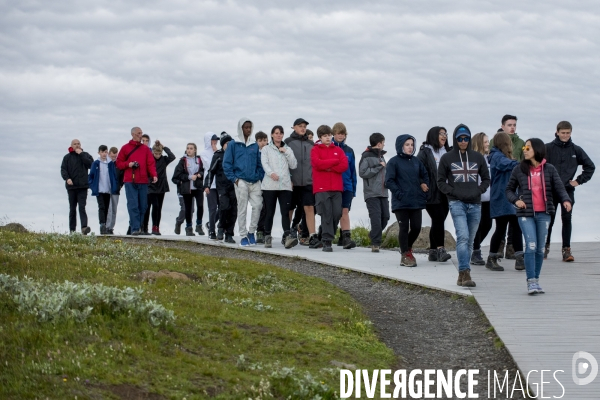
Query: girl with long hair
{"points": [[188, 177]]}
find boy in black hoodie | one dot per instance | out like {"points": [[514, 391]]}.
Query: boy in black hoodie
{"points": [[458, 174], [227, 201]]}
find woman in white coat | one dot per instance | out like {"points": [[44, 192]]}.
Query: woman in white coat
{"points": [[277, 159]]}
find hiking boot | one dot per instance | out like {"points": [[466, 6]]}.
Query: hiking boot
{"points": [[189, 231], [433, 255], [476, 258], [219, 234], [260, 237], [245, 242], [492, 262], [374, 249], [340, 241], [85, 230], [501, 247], [290, 241], [327, 246], [538, 287], [314, 242], [155, 231], [407, 260], [461, 276], [510, 252], [567, 256], [546, 251], [348, 243], [103, 229], [304, 241], [531, 286], [268, 241], [467, 281], [178, 227], [443, 256], [412, 256], [212, 236], [251, 239], [199, 230], [519, 262], [229, 239]]}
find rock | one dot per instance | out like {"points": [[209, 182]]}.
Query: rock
{"points": [[151, 276], [342, 365], [422, 242], [14, 227]]}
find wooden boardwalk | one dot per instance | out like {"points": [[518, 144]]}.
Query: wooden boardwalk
{"points": [[541, 332]]}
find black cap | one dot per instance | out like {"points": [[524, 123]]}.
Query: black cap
{"points": [[214, 137], [300, 121], [224, 139]]}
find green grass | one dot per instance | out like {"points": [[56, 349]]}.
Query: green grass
{"points": [[242, 329]]}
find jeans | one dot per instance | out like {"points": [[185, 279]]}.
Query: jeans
{"points": [[137, 202], [466, 218], [535, 230]]}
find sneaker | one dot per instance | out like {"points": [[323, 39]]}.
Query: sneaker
{"points": [[145, 233], [245, 242], [229, 239], [443, 256], [510, 252], [110, 231], [476, 258], [220, 234], [327, 246], [519, 262], [407, 260], [178, 227], [492, 263], [567, 256], [304, 241], [433, 255], [260, 237], [103, 229], [314, 242], [268, 241], [251, 239], [467, 281], [212, 236], [546, 251], [189, 231], [538, 287], [294, 231], [85, 230], [290, 242], [155, 231], [199, 230], [136, 233], [531, 287], [374, 249]]}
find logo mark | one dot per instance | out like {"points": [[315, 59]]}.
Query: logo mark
{"points": [[580, 367]]}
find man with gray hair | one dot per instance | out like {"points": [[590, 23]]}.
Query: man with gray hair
{"points": [[74, 170], [137, 162]]}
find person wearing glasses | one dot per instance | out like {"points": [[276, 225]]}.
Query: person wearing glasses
{"points": [[538, 183], [458, 178]]}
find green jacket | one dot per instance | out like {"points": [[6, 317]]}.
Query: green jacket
{"points": [[517, 145]]}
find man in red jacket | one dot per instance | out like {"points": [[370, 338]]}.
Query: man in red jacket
{"points": [[137, 162], [328, 164]]}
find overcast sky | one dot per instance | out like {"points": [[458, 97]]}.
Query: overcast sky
{"points": [[178, 69]]}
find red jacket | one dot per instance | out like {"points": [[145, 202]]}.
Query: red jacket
{"points": [[143, 156], [328, 165]]}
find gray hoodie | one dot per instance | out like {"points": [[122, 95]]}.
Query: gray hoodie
{"points": [[372, 173]]}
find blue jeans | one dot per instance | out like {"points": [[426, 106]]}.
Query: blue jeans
{"points": [[466, 218], [137, 202], [535, 230]]}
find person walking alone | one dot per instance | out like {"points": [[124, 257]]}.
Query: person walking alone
{"points": [[74, 171]]}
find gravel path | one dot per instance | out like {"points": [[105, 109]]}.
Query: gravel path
{"points": [[425, 328]]}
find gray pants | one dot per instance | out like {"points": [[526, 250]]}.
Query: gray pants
{"points": [[329, 207], [111, 219], [379, 214], [247, 192]]}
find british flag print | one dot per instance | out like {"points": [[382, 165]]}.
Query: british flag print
{"points": [[464, 171]]}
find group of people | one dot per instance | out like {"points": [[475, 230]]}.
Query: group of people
{"points": [[517, 183]]}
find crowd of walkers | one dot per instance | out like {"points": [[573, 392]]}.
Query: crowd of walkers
{"points": [[518, 184]]}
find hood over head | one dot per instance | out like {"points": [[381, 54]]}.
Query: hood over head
{"points": [[400, 140], [460, 130], [208, 137], [241, 133]]}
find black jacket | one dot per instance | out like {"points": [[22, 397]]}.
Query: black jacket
{"points": [[458, 173], [75, 167], [162, 184], [519, 180], [566, 157], [181, 179], [215, 171], [435, 196]]}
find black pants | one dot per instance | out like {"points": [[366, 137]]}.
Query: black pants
{"points": [[227, 210], [103, 204], [412, 219], [379, 215], [300, 219], [565, 217], [500, 233], [262, 219], [155, 202], [188, 198], [77, 197], [270, 199], [438, 214], [212, 198], [485, 224], [329, 207]]}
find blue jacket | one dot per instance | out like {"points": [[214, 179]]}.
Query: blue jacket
{"points": [[243, 162], [404, 176], [94, 178], [349, 176], [500, 170]]}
